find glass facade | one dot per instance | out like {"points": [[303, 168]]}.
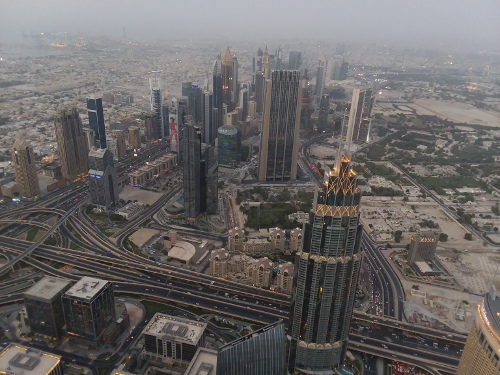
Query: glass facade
{"points": [[327, 274], [262, 352], [96, 121], [229, 144]]}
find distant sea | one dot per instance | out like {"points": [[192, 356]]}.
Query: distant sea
{"points": [[10, 52]]}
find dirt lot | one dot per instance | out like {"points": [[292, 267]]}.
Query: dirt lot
{"points": [[142, 196]]}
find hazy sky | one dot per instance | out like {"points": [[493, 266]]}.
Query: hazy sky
{"points": [[474, 23]]}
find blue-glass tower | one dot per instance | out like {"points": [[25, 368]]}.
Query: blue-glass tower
{"points": [[96, 121]]}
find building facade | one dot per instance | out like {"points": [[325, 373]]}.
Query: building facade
{"points": [[229, 146], [121, 147], [294, 60], [358, 128], [89, 308], [422, 247], [103, 179], [229, 80], [285, 278], [96, 121], [327, 275], [24, 163], [134, 137], [71, 145], [279, 146], [481, 355], [44, 306], [261, 352]]}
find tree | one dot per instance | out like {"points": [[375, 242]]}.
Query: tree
{"points": [[397, 236], [443, 237], [468, 236], [495, 229]]}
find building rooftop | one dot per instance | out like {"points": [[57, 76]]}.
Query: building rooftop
{"points": [[48, 287], [86, 288], [175, 329], [204, 362], [20, 360]]}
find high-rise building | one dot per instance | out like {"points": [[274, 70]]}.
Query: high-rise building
{"points": [[44, 306], [71, 144], [320, 76], [209, 127], [344, 70], [121, 147], [294, 60], [152, 126], [229, 80], [211, 176], [23, 160], [261, 352], [16, 359], [96, 120], [229, 146], [243, 104], [260, 84], [265, 64], [134, 137], [89, 308], [324, 109], [218, 92], [327, 274], [155, 96], [195, 101], [358, 127], [89, 138], [481, 355], [422, 247], [194, 182], [279, 146], [103, 179]]}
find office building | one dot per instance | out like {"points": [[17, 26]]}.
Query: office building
{"points": [[260, 84], [71, 145], [121, 147], [156, 99], [327, 274], [21, 360], [265, 64], [229, 80], [152, 126], [358, 127], [194, 181], [195, 101], [44, 306], [24, 163], [96, 120], [218, 92], [344, 71], [179, 113], [89, 308], [209, 122], [324, 109], [294, 60], [243, 104], [481, 355], [211, 177], [89, 138], [320, 76], [165, 120], [279, 145], [422, 247], [229, 146], [261, 352], [172, 340], [134, 137], [103, 179]]}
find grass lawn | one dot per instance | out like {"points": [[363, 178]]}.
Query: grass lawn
{"points": [[51, 241], [32, 234]]}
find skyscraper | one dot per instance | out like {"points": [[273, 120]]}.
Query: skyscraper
{"points": [[358, 128], [71, 144], [103, 179], [481, 353], [294, 60], [229, 80], [152, 126], [324, 108], [279, 144], [218, 92], [265, 64], [179, 112], [260, 84], [229, 143], [96, 120], [195, 101], [155, 96], [262, 352], [23, 160], [194, 182], [422, 247], [320, 76], [134, 137], [209, 127], [89, 308], [121, 147], [327, 274]]}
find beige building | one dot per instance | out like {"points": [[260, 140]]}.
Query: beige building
{"points": [[285, 278], [257, 247], [169, 239], [218, 262], [121, 147], [235, 239], [295, 239], [16, 360], [10, 189], [261, 272], [134, 137], [238, 263], [71, 145], [277, 237], [23, 160], [481, 355], [153, 169], [422, 247]]}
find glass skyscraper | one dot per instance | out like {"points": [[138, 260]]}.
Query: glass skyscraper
{"points": [[96, 121], [262, 352], [279, 145], [327, 274]]}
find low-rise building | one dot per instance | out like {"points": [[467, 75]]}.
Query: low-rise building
{"points": [[130, 210], [10, 189], [172, 340], [218, 262], [20, 360], [154, 168], [204, 362]]}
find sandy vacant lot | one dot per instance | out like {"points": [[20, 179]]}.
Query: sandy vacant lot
{"points": [[142, 196], [143, 235], [457, 112]]}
